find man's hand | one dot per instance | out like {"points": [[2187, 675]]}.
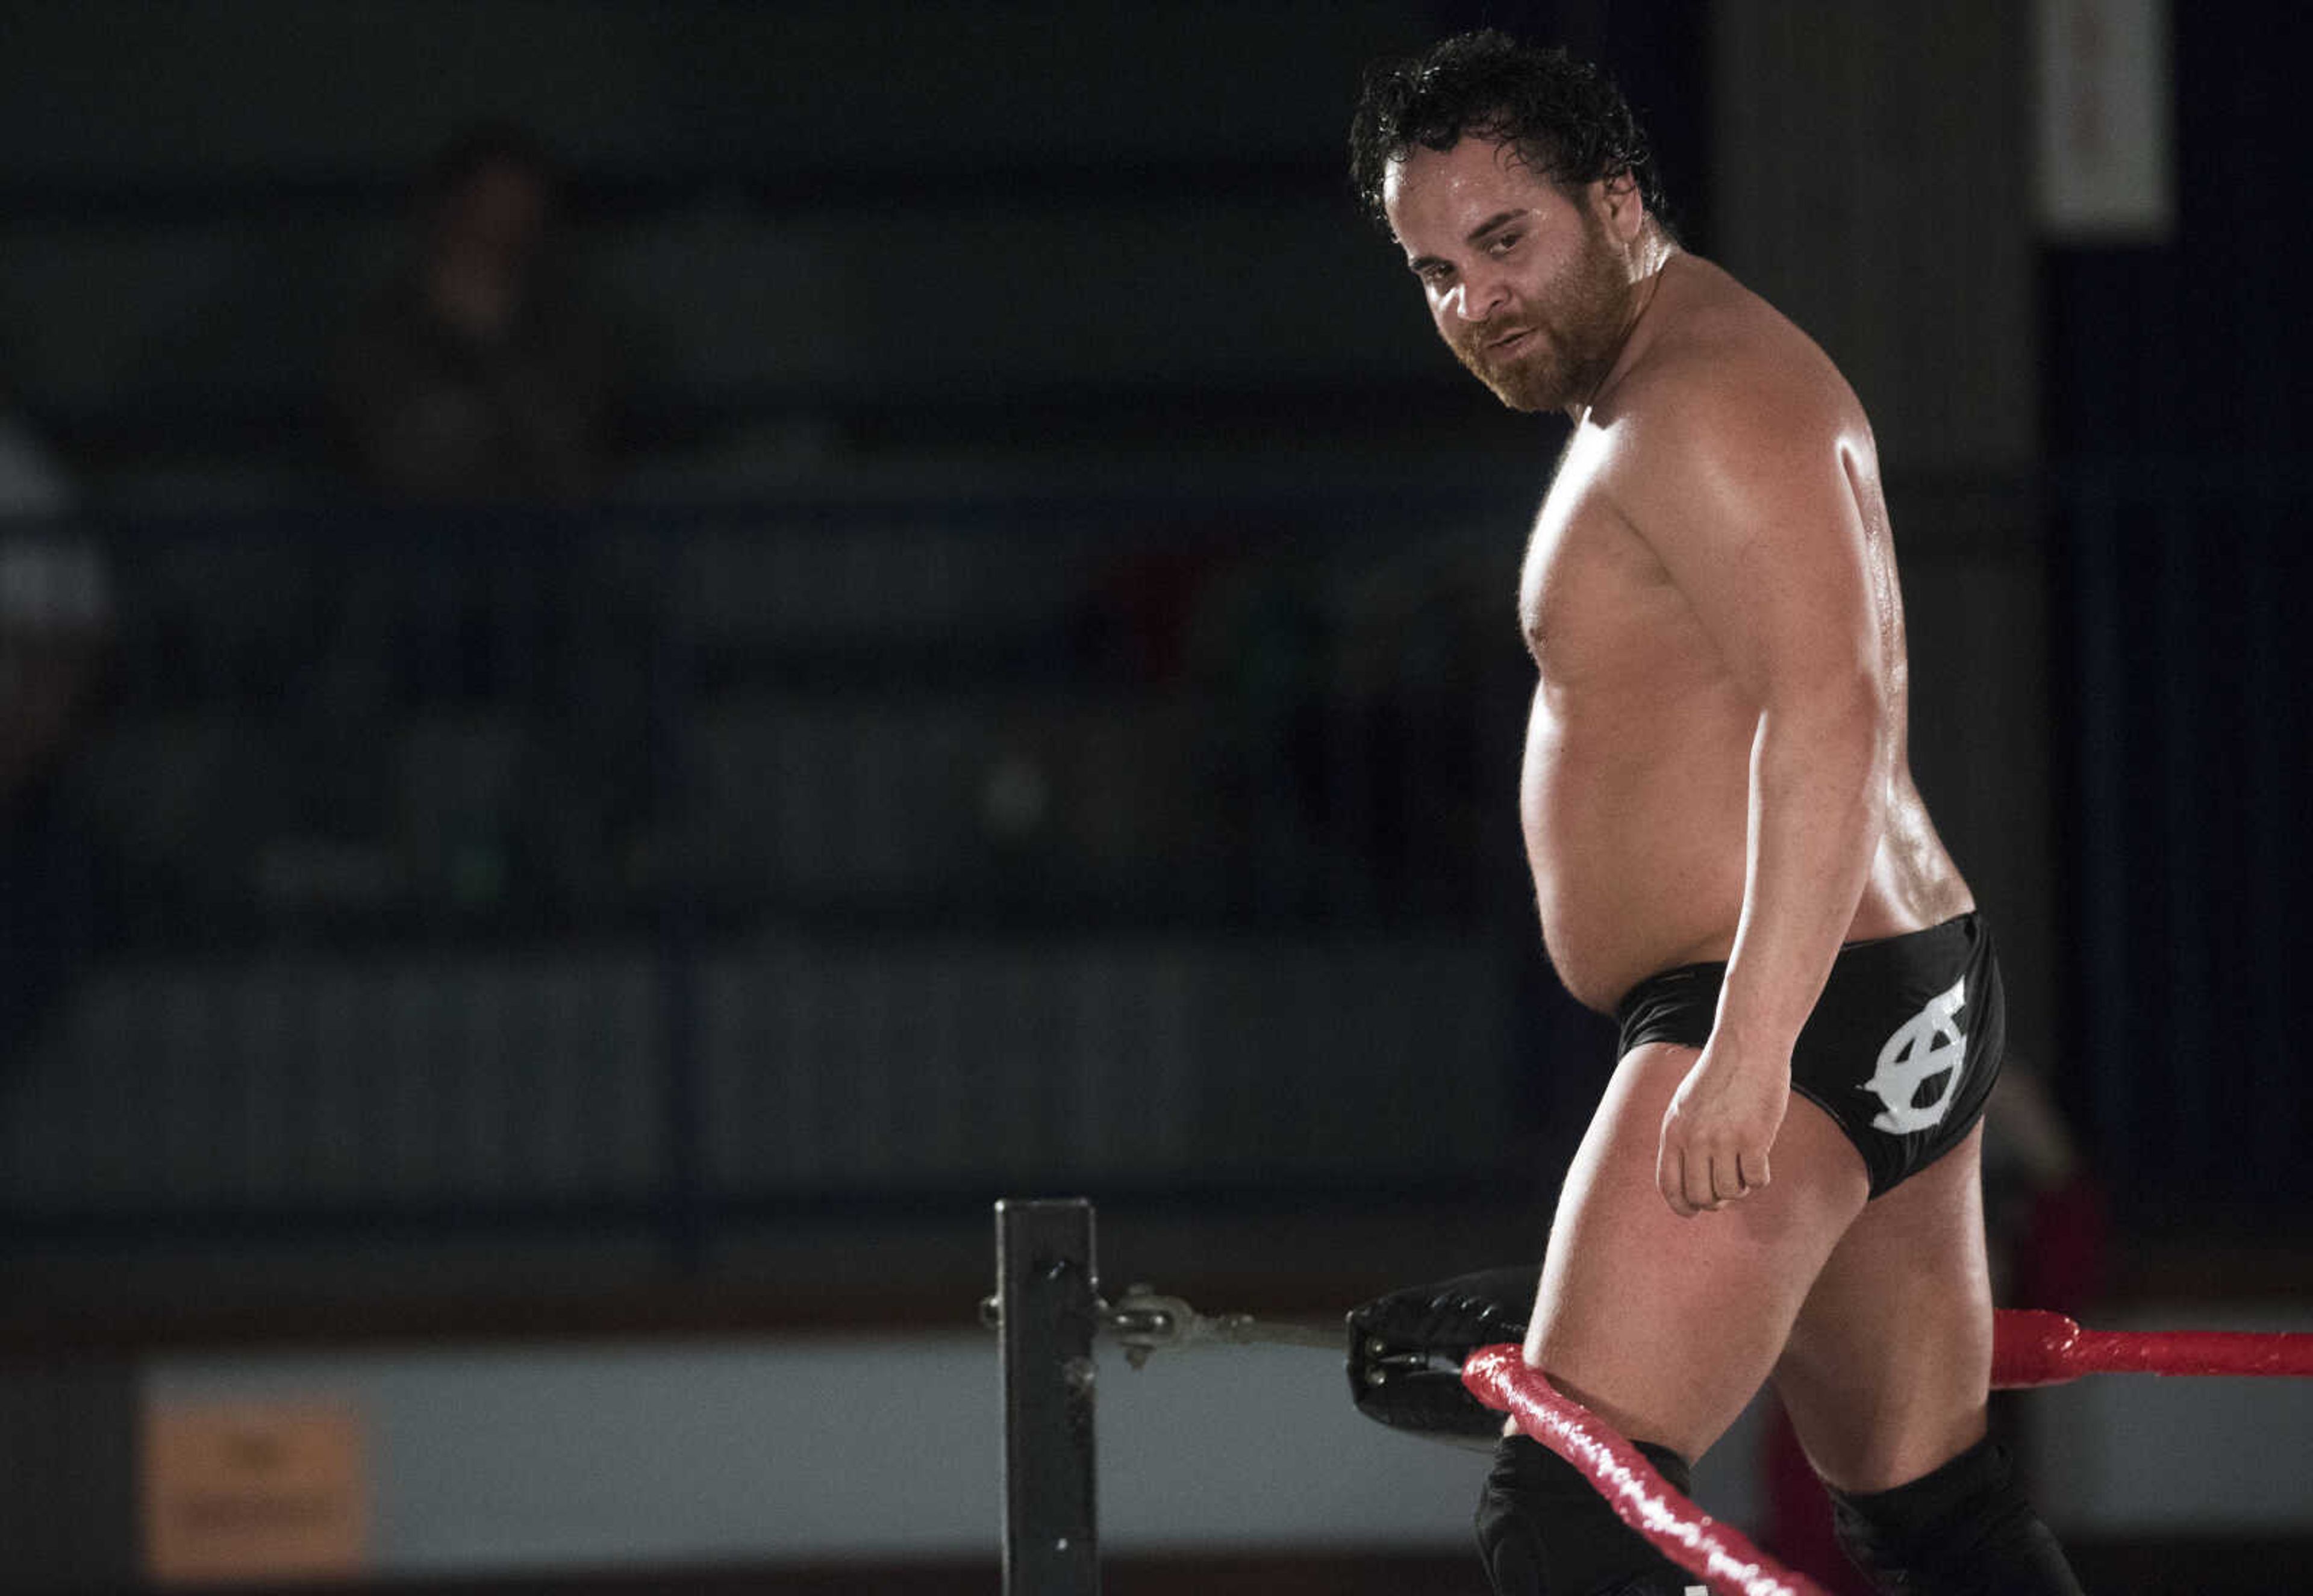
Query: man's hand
{"points": [[1717, 1130]]}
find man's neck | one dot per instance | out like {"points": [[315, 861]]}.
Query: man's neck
{"points": [[1650, 255]]}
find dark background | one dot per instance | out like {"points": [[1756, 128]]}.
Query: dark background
{"points": [[1034, 704]]}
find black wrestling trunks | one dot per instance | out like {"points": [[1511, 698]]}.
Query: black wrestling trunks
{"points": [[1901, 1051]]}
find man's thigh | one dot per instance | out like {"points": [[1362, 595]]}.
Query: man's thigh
{"points": [[1889, 1361], [1667, 1327]]}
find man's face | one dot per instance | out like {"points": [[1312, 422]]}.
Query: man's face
{"points": [[1525, 283]]}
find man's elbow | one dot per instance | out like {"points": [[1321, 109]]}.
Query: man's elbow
{"points": [[1843, 717]]}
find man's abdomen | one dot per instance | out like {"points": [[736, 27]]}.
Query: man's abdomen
{"points": [[1636, 835]]}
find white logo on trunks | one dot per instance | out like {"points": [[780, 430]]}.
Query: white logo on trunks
{"points": [[1930, 1043]]}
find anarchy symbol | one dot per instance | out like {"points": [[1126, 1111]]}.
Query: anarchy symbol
{"points": [[1931, 1042]]}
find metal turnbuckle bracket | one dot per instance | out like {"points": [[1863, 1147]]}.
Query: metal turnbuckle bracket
{"points": [[1145, 1320]]}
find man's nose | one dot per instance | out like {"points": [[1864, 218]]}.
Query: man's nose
{"points": [[1476, 299]]}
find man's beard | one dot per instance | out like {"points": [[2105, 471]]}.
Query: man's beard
{"points": [[1576, 330]]}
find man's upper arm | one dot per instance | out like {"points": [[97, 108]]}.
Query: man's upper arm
{"points": [[1743, 494]]}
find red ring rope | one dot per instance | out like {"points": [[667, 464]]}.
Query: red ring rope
{"points": [[1716, 1553], [2030, 1347]]}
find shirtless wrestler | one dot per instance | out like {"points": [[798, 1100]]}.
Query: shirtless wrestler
{"points": [[1780, 1182]]}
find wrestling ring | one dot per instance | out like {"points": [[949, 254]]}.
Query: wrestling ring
{"points": [[1048, 1311]]}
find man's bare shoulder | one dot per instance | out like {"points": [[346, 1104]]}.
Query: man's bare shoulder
{"points": [[1722, 373]]}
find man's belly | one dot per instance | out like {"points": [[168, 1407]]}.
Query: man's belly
{"points": [[1637, 843]]}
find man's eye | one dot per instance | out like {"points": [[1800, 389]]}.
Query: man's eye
{"points": [[1503, 244]]}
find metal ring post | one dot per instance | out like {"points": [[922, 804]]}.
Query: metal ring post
{"points": [[1048, 1303]]}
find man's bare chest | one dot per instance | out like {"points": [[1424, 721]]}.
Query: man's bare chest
{"points": [[1596, 604]]}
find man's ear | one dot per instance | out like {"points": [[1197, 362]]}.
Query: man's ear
{"points": [[1619, 204]]}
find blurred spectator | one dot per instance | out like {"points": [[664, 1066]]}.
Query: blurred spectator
{"points": [[477, 373], [2046, 1215], [56, 631], [56, 613]]}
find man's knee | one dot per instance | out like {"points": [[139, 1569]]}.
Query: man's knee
{"points": [[1546, 1532], [1963, 1529]]}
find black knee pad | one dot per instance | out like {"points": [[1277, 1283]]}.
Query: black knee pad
{"points": [[1964, 1530], [1545, 1530]]}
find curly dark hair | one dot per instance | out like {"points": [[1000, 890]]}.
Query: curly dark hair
{"points": [[1565, 117]]}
